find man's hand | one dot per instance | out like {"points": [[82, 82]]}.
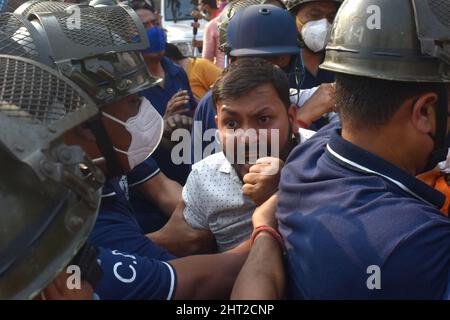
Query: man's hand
{"points": [[180, 239], [196, 14], [175, 116], [177, 104], [174, 122], [321, 102], [262, 180]]}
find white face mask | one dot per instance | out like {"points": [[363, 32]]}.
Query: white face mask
{"points": [[444, 166], [316, 34], [146, 129]]}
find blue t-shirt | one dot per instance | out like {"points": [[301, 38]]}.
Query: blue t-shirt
{"points": [[357, 227], [149, 216], [175, 79], [204, 119], [132, 277], [117, 228]]}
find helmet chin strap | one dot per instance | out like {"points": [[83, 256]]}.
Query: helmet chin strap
{"points": [[106, 148]]}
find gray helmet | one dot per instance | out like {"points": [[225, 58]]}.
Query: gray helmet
{"points": [[230, 10], [9, 5], [98, 48], [413, 46], [30, 7], [19, 38], [49, 191], [292, 5], [103, 3]]}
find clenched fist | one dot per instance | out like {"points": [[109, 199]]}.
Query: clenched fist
{"points": [[262, 180]]}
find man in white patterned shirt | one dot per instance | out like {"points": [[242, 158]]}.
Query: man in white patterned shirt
{"points": [[222, 192]]}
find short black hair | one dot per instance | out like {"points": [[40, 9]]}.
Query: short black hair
{"points": [[172, 52], [364, 101], [142, 4], [247, 74], [211, 3]]}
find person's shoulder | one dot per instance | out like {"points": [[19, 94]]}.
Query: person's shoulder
{"points": [[425, 215], [312, 144], [206, 101], [211, 163], [205, 63], [212, 23], [171, 67]]}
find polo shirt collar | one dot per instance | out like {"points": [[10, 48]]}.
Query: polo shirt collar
{"points": [[357, 159], [224, 166]]}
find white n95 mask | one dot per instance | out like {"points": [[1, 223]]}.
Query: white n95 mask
{"points": [[146, 129], [315, 34]]}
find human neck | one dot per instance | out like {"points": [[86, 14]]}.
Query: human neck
{"points": [[184, 63], [384, 144], [155, 67], [312, 61], [292, 143], [213, 13]]}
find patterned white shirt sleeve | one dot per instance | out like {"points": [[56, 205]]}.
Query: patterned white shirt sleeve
{"points": [[193, 212]]}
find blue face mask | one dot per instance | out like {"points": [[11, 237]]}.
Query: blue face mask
{"points": [[157, 38]]}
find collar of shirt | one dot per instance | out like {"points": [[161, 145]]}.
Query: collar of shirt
{"points": [[357, 159], [223, 165], [311, 81], [115, 186]]}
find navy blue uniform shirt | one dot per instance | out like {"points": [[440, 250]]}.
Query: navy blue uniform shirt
{"points": [[323, 76], [344, 212], [116, 227], [149, 216], [175, 79], [132, 277]]}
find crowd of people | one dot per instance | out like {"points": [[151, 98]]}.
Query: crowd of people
{"points": [[303, 156]]}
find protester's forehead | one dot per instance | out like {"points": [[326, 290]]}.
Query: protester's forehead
{"points": [[145, 14], [262, 97]]}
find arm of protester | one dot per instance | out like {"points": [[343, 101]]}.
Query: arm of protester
{"points": [[262, 180], [162, 191], [179, 238], [320, 103], [208, 50], [262, 276], [209, 276]]}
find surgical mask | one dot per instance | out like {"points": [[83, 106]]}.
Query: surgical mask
{"points": [[315, 34], [440, 157], [146, 129], [444, 166]]}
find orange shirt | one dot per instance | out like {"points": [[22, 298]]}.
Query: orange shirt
{"points": [[202, 74], [438, 181]]}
